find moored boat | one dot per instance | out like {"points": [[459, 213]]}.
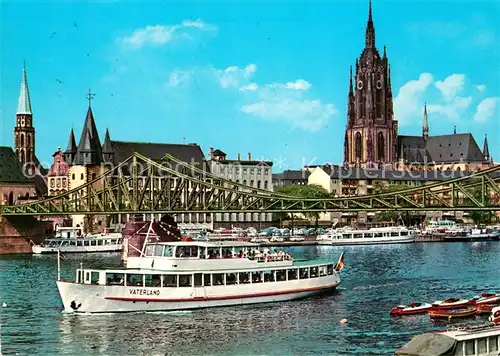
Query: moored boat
{"points": [[452, 303], [487, 298], [485, 308], [437, 313], [495, 315], [411, 309], [195, 274], [373, 236], [458, 340]]}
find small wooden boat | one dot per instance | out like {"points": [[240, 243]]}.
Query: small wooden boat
{"points": [[487, 298], [452, 303], [411, 309], [436, 313], [485, 308], [495, 315]]}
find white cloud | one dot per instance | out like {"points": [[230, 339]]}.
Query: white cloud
{"points": [[299, 84], [481, 88], [234, 76], [408, 103], [161, 34], [250, 87], [178, 78], [451, 109], [310, 115], [451, 86], [486, 109]]}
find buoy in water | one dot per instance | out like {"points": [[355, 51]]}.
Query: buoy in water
{"points": [[4, 305], [343, 321]]}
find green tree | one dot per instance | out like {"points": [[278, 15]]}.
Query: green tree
{"points": [[307, 192], [392, 216]]}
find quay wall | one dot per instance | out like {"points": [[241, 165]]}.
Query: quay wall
{"points": [[19, 233]]}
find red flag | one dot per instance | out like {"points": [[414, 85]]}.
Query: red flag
{"points": [[340, 263]]}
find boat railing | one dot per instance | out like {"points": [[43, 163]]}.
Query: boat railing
{"points": [[471, 327]]}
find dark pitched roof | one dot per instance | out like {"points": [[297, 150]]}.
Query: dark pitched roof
{"points": [[190, 153], [218, 152], [295, 174], [440, 149], [71, 143], [106, 147], [89, 143], [10, 169]]}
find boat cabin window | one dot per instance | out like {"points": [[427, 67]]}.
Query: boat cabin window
{"points": [[168, 251], [378, 234], [470, 347], [207, 279], [152, 280], [322, 271], [170, 280], [244, 277], [281, 275], [314, 272], [198, 279], [329, 269], [185, 280], [292, 274], [269, 276], [393, 234], [213, 252], [94, 277], [115, 279], [218, 279], [186, 251], [134, 280], [493, 341], [481, 346], [231, 278], [256, 277], [304, 273]]}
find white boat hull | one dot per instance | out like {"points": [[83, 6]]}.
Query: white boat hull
{"points": [[368, 241], [89, 298], [77, 249]]}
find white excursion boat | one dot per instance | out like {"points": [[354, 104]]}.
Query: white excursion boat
{"points": [[380, 235], [72, 240], [458, 340], [195, 274]]}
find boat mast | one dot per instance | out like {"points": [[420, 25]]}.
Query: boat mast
{"points": [[150, 229]]}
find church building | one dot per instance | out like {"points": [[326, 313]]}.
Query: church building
{"points": [[371, 135]]}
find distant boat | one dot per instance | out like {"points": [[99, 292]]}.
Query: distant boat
{"points": [[373, 236], [476, 235], [437, 313], [411, 309]]}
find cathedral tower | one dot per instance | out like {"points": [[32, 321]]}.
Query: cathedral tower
{"points": [[24, 132], [371, 131]]}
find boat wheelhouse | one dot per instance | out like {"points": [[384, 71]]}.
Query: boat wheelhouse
{"points": [[458, 340], [194, 274], [72, 240], [380, 235]]}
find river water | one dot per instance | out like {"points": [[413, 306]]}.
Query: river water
{"points": [[375, 278]]}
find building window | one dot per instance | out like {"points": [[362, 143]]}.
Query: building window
{"points": [[22, 140], [244, 182], [81, 176], [265, 184], [381, 147], [245, 170], [252, 171], [73, 176], [258, 184], [359, 146], [251, 183], [266, 171], [259, 171]]}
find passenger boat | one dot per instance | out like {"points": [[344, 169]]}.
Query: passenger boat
{"points": [[411, 309], [72, 240], [487, 298], [495, 315], [452, 303], [485, 308], [476, 235], [437, 313], [183, 275], [380, 235], [458, 340]]}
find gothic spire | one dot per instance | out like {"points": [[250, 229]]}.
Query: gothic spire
{"points": [[89, 147], [370, 29], [106, 147], [350, 82], [425, 124], [71, 143], [24, 102], [486, 150]]}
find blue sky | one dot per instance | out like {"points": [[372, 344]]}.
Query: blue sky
{"points": [[270, 78]]}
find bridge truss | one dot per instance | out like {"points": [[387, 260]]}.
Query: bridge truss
{"points": [[140, 185]]}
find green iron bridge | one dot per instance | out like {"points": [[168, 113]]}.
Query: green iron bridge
{"points": [[140, 185]]}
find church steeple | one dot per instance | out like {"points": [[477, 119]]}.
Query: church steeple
{"points": [[71, 150], [89, 148], [486, 149], [370, 29], [425, 124], [24, 133], [107, 148]]}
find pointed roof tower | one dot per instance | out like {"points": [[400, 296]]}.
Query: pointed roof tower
{"points": [[89, 147], [71, 148], [425, 124], [106, 147], [370, 29], [486, 149], [24, 102]]}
